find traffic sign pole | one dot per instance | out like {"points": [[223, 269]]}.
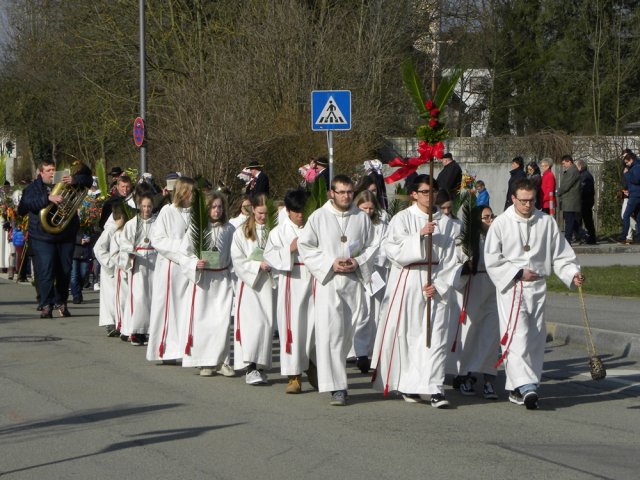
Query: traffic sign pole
{"points": [[330, 145], [330, 110]]}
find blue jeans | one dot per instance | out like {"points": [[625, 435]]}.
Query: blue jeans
{"points": [[570, 225], [632, 204], [53, 270], [79, 271]]}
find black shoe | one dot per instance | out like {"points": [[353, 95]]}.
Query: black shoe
{"points": [[136, 339], [77, 300], [39, 308], [363, 363], [112, 331], [530, 400], [124, 338], [63, 310], [46, 312], [438, 401]]}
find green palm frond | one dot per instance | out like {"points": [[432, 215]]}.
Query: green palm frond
{"points": [[466, 202], [128, 212], [445, 88], [272, 215], [413, 85], [317, 198], [101, 174], [400, 201], [3, 165], [199, 225]]}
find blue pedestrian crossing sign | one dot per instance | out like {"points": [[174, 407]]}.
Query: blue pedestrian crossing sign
{"points": [[330, 110]]}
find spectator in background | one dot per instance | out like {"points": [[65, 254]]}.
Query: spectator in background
{"points": [[569, 195], [547, 185], [587, 201], [115, 173], [482, 194], [322, 165], [373, 169], [124, 186], [450, 176], [259, 183], [631, 174], [517, 172], [533, 174]]}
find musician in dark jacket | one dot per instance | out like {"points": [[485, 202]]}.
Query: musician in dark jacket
{"points": [[53, 252], [259, 183]]}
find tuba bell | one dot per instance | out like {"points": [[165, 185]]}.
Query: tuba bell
{"points": [[55, 218]]}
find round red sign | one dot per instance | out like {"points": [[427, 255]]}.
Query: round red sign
{"points": [[138, 132]]}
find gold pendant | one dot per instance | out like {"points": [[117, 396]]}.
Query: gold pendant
{"points": [[527, 248], [343, 239], [146, 240]]}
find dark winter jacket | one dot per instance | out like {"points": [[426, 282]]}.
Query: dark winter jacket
{"points": [[36, 197]]}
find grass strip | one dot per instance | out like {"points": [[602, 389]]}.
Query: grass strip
{"points": [[614, 281]]}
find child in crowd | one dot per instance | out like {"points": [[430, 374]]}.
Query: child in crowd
{"points": [[138, 259], [255, 295], [482, 194], [295, 295], [210, 292], [103, 254]]}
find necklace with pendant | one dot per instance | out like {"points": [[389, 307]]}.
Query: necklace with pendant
{"points": [[527, 247], [343, 237]]}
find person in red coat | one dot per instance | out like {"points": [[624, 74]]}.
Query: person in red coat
{"points": [[547, 185]]}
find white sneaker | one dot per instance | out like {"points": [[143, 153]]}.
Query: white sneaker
{"points": [[207, 372], [263, 376], [254, 378], [226, 370], [96, 287]]}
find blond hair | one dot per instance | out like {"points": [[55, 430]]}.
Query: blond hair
{"points": [[182, 192]]}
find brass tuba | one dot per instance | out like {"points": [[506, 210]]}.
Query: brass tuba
{"points": [[55, 218]]}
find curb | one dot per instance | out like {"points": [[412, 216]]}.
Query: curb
{"points": [[610, 343]]}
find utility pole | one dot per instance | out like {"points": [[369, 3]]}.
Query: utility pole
{"points": [[143, 90]]}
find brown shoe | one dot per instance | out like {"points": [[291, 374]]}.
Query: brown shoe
{"points": [[294, 385]]}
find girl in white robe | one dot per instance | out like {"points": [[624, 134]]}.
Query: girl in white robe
{"points": [[169, 298], [479, 329], [255, 292], [295, 295], [402, 360], [208, 313], [108, 313], [365, 331], [138, 259]]}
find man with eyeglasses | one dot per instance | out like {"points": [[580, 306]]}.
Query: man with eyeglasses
{"points": [[403, 363], [336, 246], [524, 246]]}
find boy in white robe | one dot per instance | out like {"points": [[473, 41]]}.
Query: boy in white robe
{"points": [[522, 248], [402, 359], [169, 298], [295, 295], [336, 246]]}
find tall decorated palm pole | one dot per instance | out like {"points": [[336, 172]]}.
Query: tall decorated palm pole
{"points": [[431, 134]]}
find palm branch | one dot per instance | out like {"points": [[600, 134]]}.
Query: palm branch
{"points": [[101, 174], [400, 201], [271, 221], [445, 88], [317, 198], [413, 85], [466, 202], [3, 164], [199, 225], [128, 212]]}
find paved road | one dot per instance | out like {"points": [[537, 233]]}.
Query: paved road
{"points": [[76, 404]]}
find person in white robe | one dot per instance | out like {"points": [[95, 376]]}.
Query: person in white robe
{"points": [[138, 259], [108, 311], [402, 360], [295, 295], [169, 298], [365, 332], [478, 324], [522, 248], [337, 247], [208, 313], [255, 302]]}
